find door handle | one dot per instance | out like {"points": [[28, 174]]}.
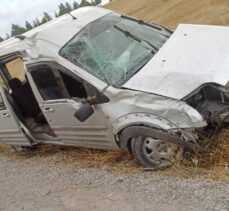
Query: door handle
{"points": [[46, 110], [5, 115]]}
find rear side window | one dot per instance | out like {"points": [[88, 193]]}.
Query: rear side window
{"points": [[2, 105], [2, 83], [16, 69]]}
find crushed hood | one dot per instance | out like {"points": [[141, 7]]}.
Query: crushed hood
{"points": [[193, 55]]}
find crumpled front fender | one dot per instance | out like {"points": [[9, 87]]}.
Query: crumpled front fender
{"points": [[135, 131], [182, 120]]}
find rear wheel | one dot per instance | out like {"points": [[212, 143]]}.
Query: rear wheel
{"points": [[23, 149], [153, 153]]}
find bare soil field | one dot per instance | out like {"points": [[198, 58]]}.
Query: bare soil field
{"points": [[172, 12]]}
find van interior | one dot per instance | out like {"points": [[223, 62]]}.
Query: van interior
{"points": [[21, 98], [52, 81]]}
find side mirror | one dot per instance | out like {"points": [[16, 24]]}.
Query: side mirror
{"points": [[84, 112]]}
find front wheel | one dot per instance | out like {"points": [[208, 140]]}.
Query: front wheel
{"points": [[153, 153]]}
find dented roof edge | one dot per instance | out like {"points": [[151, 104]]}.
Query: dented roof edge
{"points": [[50, 31]]}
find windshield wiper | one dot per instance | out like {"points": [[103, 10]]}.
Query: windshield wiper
{"points": [[152, 25], [138, 39]]}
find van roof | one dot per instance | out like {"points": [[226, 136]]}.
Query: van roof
{"points": [[56, 32]]}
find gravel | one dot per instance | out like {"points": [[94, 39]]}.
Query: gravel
{"points": [[45, 186]]}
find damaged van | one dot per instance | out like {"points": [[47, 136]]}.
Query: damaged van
{"points": [[97, 79]]}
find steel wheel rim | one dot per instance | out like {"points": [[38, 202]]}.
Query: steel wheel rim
{"points": [[159, 152]]}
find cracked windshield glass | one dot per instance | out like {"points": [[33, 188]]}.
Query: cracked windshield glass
{"points": [[113, 48]]}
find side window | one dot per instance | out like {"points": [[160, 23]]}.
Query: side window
{"points": [[16, 69], [48, 83], [2, 105], [74, 87], [2, 83], [53, 83]]}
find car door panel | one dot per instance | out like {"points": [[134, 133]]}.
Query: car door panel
{"points": [[10, 127], [91, 133]]}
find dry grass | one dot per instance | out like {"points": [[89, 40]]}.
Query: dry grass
{"points": [[168, 13], [72, 159], [214, 166]]}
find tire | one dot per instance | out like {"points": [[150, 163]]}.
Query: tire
{"points": [[161, 155]]}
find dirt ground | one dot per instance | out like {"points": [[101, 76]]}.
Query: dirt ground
{"points": [[29, 183], [172, 12], [72, 179]]}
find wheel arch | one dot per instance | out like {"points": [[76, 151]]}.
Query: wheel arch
{"points": [[126, 126], [126, 129], [146, 119], [125, 135]]}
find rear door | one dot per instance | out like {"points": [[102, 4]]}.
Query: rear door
{"points": [[11, 129]]}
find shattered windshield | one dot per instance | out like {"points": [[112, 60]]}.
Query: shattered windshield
{"points": [[113, 48]]}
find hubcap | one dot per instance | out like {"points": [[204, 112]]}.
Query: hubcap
{"points": [[159, 152]]}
